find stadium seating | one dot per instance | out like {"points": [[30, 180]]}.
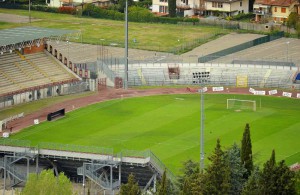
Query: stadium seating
{"points": [[20, 72]]}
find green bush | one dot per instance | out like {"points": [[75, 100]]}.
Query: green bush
{"points": [[42, 8], [243, 16]]}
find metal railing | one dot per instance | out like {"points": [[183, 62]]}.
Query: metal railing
{"points": [[76, 148], [106, 70], [14, 142], [147, 154]]}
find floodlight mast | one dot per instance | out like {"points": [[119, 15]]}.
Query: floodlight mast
{"points": [[202, 127], [201, 78], [126, 47]]}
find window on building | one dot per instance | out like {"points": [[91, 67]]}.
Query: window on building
{"points": [[214, 4], [163, 9], [283, 10], [241, 4], [275, 9], [220, 5]]}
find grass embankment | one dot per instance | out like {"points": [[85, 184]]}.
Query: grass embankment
{"points": [[158, 37]]}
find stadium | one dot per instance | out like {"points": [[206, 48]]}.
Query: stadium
{"points": [[109, 133]]}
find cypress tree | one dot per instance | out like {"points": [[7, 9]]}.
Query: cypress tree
{"points": [[246, 152], [172, 8], [131, 188], [268, 176], [217, 179], [162, 189]]}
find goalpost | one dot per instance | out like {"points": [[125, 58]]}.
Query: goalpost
{"points": [[241, 104]]}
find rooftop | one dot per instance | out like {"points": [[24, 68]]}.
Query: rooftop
{"points": [[23, 34], [284, 3]]}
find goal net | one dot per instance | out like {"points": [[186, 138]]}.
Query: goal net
{"points": [[238, 104]]}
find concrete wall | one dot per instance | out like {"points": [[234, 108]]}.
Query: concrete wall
{"points": [[236, 6], [155, 8]]}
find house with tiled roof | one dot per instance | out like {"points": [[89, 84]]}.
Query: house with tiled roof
{"points": [[274, 10]]}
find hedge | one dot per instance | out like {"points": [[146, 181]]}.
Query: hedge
{"points": [[135, 14], [42, 8]]}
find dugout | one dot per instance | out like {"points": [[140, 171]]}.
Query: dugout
{"points": [[55, 115]]}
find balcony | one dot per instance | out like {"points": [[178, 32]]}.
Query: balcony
{"points": [[183, 6], [262, 12], [199, 7]]}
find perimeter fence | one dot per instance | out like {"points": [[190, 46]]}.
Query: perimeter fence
{"points": [[237, 48]]}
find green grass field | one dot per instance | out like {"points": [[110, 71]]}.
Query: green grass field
{"points": [[169, 125], [159, 37]]}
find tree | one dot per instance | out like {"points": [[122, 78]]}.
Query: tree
{"points": [[190, 168], [298, 29], [277, 179], [252, 186], [162, 188], [297, 180], [267, 179], [131, 188], [121, 5], [218, 173], [237, 169], [47, 183], [246, 151], [285, 180], [292, 20], [172, 8], [165, 186]]}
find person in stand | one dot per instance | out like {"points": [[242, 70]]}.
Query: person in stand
{"points": [[10, 129]]}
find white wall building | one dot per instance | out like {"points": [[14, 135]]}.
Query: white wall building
{"points": [[160, 7], [226, 7]]}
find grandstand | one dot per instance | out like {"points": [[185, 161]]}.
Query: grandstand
{"points": [[22, 72], [28, 72]]}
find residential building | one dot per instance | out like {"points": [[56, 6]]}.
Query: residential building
{"points": [[190, 7], [226, 7], [281, 9], [74, 3], [262, 10], [160, 7], [275, 10]]}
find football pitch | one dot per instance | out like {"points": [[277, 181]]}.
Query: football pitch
{"points": [[169, 125]]}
